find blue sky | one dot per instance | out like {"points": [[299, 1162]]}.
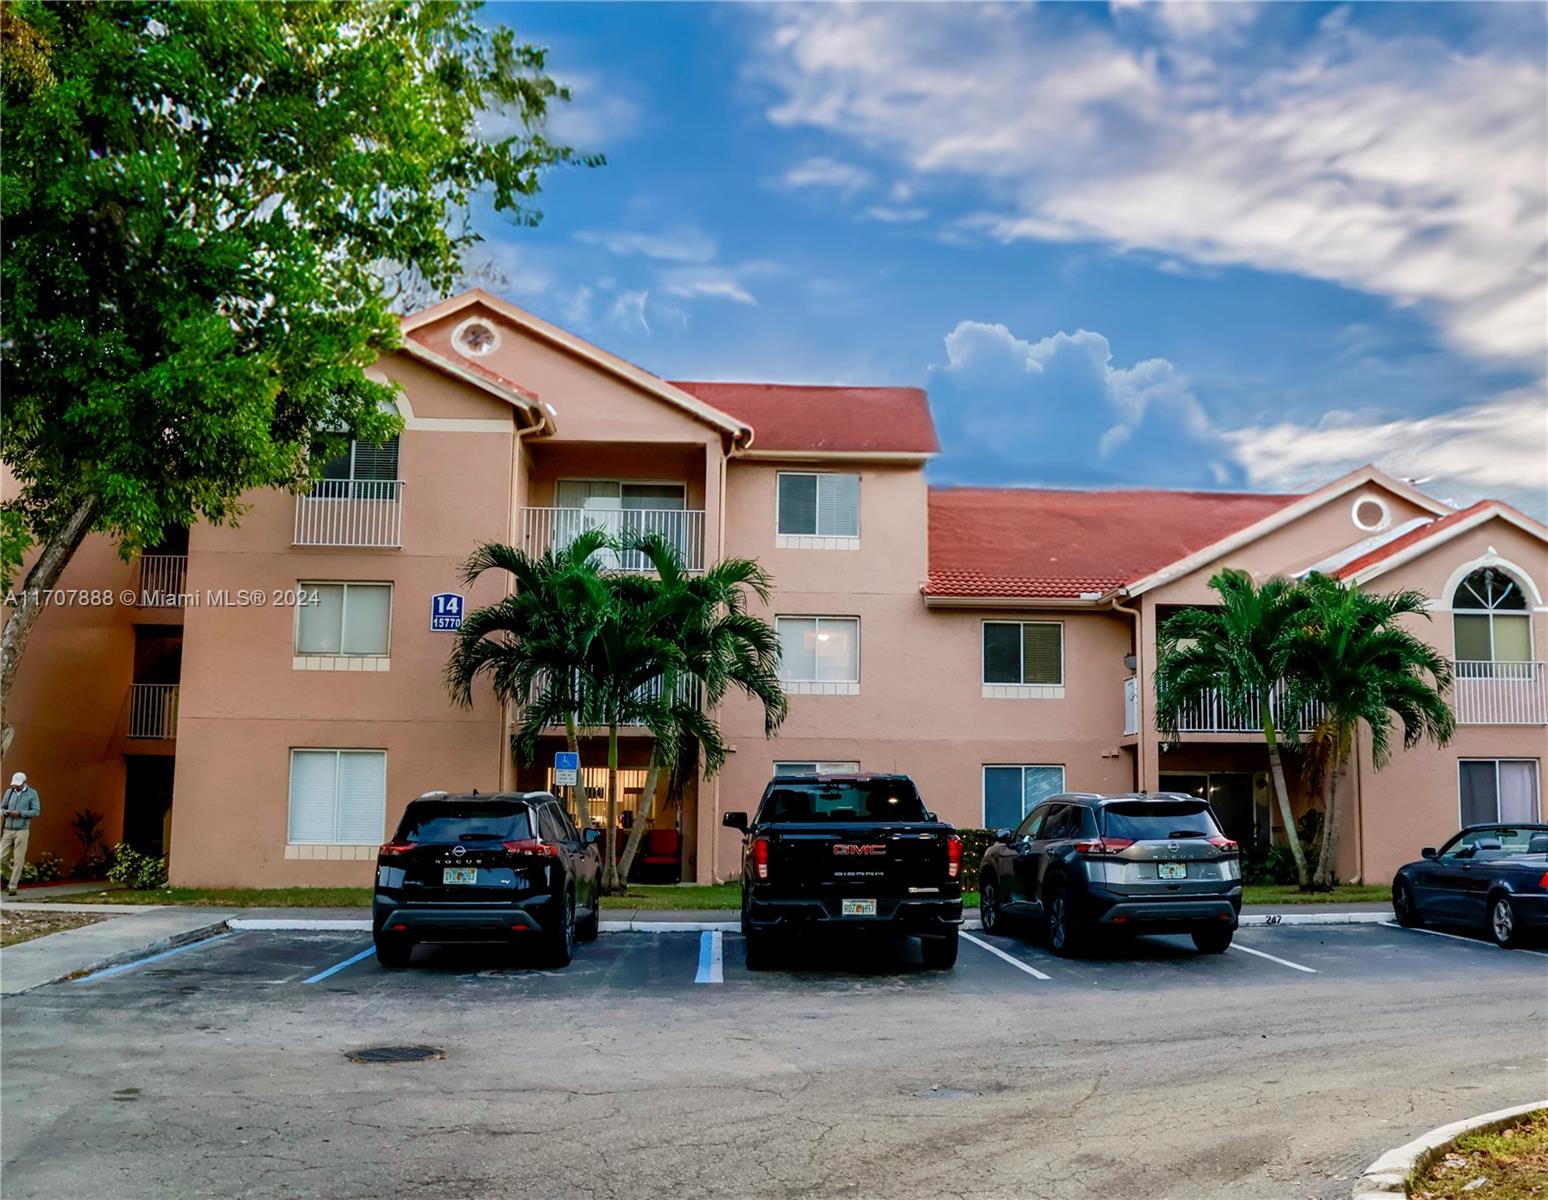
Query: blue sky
{"points": [[1197, 245]]}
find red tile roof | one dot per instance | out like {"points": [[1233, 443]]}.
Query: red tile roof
{"points": [[799, 417], [1045, 543], [1423, 533]]}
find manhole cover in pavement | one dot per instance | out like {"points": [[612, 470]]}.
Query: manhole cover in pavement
{"points": [[945, 1093], [394, 1054]]}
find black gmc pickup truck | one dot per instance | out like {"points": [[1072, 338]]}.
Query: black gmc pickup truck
{"points": [[848, 852]]}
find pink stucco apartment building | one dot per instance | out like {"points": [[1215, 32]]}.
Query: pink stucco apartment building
{"points": [[995, 643]]}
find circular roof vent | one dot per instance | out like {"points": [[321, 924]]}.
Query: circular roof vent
{"points": [[475, 337], [1370, 514]]}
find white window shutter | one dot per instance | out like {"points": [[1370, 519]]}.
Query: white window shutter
{"points": [[838, 505], [311, 795], [362, 796]]}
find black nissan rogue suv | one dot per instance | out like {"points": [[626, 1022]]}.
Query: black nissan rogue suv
{"points": [[507, 867]]}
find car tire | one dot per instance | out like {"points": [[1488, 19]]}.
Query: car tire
{"points": [[1504, 926], [588, 927], [939, 953], [393, 952], [760, 949], [1404, 907], [1212, 939], [989, 916], [1066, 937], [559, 941]]}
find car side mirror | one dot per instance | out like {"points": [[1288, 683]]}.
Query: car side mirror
{"points": [[1002, 836], [735, 820], [1427, 852], [930, 816], [591, 836]]}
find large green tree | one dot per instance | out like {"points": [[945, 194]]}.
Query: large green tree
{"points": [[199, 202], [1352, 655], [1239, 652]]}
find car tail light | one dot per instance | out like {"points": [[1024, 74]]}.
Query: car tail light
{"points": [[953, 856], [760, 857], [1222, 843], [395, 848], [1543, 882], [1104, 846], [534, 847]]}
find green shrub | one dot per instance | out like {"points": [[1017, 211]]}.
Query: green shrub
{"points": [[47, 868], [974, 843], [128, 866]]}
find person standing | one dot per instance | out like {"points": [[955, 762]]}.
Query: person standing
{"points": [[19, 806]]}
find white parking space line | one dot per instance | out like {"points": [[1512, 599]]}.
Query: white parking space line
{"points": [[1457, 937], [1284, 962], [337, 967], [711, 957], [1010, 958]]}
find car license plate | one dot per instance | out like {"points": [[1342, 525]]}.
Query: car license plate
{"points": [[859, 908], [459, 875], [1172, 870]]}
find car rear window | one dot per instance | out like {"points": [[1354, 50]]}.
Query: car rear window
{"points": [[465, 821], [843, 800], [1158, 820]]}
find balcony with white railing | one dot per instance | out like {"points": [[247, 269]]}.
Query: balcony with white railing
{"points": [[163, 581], [687, 692], [1499, 693], [544, 529], [153, 711], [1130, 706], [1210, 714], [351, 512]]}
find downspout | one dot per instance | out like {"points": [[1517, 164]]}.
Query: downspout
{"points": [[543, 424], [1139, 690]]}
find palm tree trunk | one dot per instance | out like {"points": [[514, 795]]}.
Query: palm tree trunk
{"points": [[1327, 860], [575, 790], [1282, 794], [641, 818], [610, 866]]}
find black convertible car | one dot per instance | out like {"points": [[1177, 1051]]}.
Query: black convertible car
{"points": [[1489, 876]]}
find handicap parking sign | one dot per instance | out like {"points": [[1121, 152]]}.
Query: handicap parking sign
{"points": [[445, 611], [566, 768]]}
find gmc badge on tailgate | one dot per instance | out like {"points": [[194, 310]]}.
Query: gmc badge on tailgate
{"points": [[844, 849]]}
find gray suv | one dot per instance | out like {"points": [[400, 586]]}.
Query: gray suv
{"points": [[1081, 864]]}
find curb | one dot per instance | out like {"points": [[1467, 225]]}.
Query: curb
{"points": [[1388, 1176], [363, 925], [118, 959]]}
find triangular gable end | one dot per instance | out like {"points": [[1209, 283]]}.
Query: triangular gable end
{"points": [[1436, 535], [551, 336], [1311, 502]]}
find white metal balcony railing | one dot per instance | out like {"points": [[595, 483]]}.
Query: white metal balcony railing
{"points": [[163, 580], [153, 710], [350, 512], [1210, 715], [1499, 693], [687, 690], [544, 529], [1130, 706]]}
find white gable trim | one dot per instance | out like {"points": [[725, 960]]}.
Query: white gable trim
{"points": [[1490, 558], [525, 403], [1425, 545], [1278, 520], [740, 434]]}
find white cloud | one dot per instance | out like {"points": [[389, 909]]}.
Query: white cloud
{"points": [[1495, 448], [824, 172], [1399, 165], [628, 310], [678, 245], [890, 214], [714, 284]]}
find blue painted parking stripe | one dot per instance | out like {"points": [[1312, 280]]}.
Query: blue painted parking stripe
{"points": [[145, 962], [711, 957], [337, 967]]}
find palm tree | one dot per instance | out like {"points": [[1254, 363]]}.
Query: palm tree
{"points": [[1238, 650], [532, 642], [722, 647], [1353, 656]]}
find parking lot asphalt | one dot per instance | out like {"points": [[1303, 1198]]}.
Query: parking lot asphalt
{"points": [[657, 1064]]}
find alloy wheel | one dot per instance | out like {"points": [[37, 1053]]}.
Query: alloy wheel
{"points": [[1503, 920], [988, 915], [1057, 931]]}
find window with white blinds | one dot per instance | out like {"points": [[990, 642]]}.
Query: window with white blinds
{"points": [[338, 797], [818, 505], [816, 768], [1024, 652], [819, 649], [365, 461], [344, 618]]}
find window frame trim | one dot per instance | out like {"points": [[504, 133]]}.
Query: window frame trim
{"points": [[818, 686], [985, 622], [337, 752], [346, 584], [983, 787], [1537, 780], [816, 540]]}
